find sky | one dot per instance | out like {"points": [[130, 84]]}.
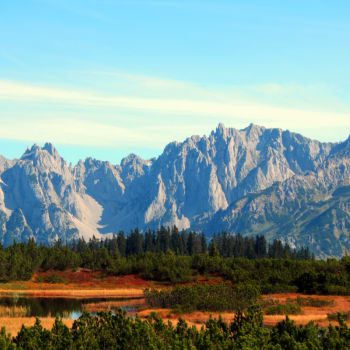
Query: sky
{"points": [[106, 78]]}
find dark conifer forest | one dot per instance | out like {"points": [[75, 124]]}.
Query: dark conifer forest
{"points": [[248, 268], [180, 257]]}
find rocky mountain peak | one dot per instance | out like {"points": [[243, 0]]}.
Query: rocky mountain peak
{"points": [[203, 182], [45, 159], [220, 130], [31, 152], [51, 149], [131, 158], [171, 147]]}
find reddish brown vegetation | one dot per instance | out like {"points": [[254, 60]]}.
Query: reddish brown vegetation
{"points": [[88, 279]]}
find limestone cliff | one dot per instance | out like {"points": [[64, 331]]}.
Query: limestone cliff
{"points": [[228, 180]]}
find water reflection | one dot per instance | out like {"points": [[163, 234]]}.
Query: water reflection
{"points": [[65, 307]]}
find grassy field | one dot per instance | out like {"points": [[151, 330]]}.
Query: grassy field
{"points": [[13, 325]]}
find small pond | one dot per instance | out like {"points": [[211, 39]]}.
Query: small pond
{"points": [[71, 308]]}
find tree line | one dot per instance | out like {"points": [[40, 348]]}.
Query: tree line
{"points": [[331, 277], [191, 243]]}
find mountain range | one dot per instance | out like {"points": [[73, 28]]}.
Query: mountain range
{"points": [[251, 181]]}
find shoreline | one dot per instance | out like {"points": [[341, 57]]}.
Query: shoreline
{"points": [[74, 293], [196, 318]]}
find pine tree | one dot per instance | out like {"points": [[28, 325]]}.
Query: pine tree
{"points": [[213, 250], [191, 242], [164, 240], [238, 249], [204, 245], [220, 244], [176, 241], [260, 247], [139, 240], [121, 244], [230, 246], [287, 251], [184, 241], [154, 240], [113, 245], [158, 239], [131, 244], [82, 245], [226, 249], [149, 247], [74, 246], [307, 254], [250, 248]]}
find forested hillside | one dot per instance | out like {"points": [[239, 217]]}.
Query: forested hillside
{"points": [[278, 270]]}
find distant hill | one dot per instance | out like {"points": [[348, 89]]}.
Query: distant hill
{"points": [[253, 181]]}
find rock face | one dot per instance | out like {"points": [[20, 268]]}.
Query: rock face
{"points": [[311, 209], [203, 183]]}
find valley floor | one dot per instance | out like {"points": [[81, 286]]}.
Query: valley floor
{"points": [[88, 284]]}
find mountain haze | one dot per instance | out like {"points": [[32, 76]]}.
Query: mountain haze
{"points": [[252, 181]]}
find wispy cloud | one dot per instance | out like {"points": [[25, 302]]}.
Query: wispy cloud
{"points": [[72, 132], [209, 102], [150, 112]]}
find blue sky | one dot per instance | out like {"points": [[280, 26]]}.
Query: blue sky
{"points": [[107, 78]]}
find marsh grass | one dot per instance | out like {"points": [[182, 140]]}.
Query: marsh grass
{"points": [[13, 286], [67, 314], [14, 311]]}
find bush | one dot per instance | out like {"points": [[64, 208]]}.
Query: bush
{"points": [[264, 304], [204, 297], [284, 309], [312, 302], [335, 316], [54, 278]]}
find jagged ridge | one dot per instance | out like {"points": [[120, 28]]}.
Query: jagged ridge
{"points": [[194, 184]]}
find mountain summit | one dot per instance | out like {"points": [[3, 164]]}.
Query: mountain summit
{"points": [[252, 181]]}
